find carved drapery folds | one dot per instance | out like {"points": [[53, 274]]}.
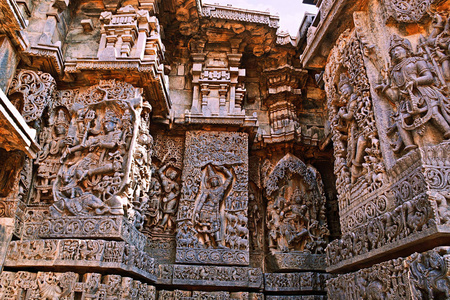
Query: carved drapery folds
{"points": [[296, 219], [212, 223]]}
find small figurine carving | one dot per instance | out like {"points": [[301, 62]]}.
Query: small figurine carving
{"points": [[169, 201]]}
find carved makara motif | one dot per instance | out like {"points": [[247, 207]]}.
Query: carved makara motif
{"points": [[296, 219]]}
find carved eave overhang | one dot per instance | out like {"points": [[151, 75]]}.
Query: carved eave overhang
{"points": [[238, 14], [256, 29], [12, 23], [334, 17], [286, 80], [144, 73], [130, 50], [15, 134], [48, 56]]}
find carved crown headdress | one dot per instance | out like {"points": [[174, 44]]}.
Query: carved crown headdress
{"points": [[61, 118], [396, 40], [210, 174], [110, 116]]}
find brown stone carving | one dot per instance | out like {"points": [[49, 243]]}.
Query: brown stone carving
{"points": [[296, 218], [89, 148], [31, 92], [419, 276], [418, 100], [212, 218]]}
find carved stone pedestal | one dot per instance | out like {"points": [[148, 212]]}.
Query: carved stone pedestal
{"points": [[419, 276], [417, 216]]}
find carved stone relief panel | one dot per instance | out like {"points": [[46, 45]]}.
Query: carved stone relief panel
{"points": [[56, 285], [165, 186], [295, 220], [212, 222], [419, 276], [359, 165], [96, 140]]}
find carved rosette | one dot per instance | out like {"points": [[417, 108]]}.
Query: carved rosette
{"points": [[212, 217]]}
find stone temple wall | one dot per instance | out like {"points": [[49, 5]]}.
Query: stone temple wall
{"points": [[181, 150]]}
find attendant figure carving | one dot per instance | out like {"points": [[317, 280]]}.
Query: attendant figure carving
{"points": [[169, 201], [411, 86], [207, 218]]}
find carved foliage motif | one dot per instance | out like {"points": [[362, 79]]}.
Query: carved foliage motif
{"points": [[407, 11], [31, 92], [296, 209], [213, 204]]}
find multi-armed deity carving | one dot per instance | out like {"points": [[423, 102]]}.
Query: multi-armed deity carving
{"points": [[420, 97], [96, 140], [296, 219], [213, 206]]}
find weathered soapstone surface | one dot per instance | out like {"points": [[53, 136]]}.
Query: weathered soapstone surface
{"points": [[181, 150], [146, 114]]}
